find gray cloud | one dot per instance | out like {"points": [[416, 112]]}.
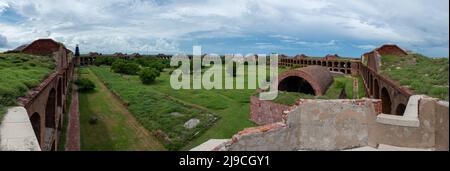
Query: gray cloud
{"points": [[3, 41], [118, 25]]}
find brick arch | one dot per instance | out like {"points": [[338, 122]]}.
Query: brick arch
{"points": [[317, 77], [59, 93], [370, 84], [386, 101], [400, 110], [35, 120], [376, 89], [50, 110]]}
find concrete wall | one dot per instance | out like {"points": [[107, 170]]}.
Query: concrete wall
{"points": [[313, 125], [16, 132], [265, 112], [332, 124], [431, 132], [348, 124], [441, 126]]}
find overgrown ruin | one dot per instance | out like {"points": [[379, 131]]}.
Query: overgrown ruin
{"points": [[390, 114]]}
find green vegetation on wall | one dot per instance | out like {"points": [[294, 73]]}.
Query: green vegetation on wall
{"points": [[20, 72], [422, 74]]}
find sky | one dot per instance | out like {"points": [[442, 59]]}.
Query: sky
{"points": [[312, 27]]}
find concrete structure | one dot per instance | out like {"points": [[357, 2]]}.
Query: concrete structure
{"points": [[346, 125], [16, 132]]}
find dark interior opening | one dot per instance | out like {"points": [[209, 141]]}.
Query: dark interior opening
{"points": [[296, 84]]}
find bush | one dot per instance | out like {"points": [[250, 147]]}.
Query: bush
{"points": [[85, 84], [105, 61], [125, 68], [148, 75]]}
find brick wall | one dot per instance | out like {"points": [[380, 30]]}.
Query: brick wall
{"points": [[265, 112]]}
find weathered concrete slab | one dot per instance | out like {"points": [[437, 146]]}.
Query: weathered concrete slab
{"points": [[398, 120], [210, 145], [16, 132]]}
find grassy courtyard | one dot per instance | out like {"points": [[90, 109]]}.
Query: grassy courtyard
{"points": [[422, 74], [153, 104], [116, 130], [20, 72]]}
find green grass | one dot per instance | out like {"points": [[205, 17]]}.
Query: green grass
{"points": [[19, 73], [422, 74], [333, 92], [151, 104], [116, 129]]}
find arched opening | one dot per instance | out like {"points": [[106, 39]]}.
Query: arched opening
{"points": [[400, 109], [50, 110], [370, 85], [36, 124], [376, 90], [296, 84], [60, 93], [385, 101]]}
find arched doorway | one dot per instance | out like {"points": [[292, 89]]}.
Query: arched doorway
{"points": [[376, 89], [35, 120], [370, 84], [296, 84], [60, 92], [386, 101], [50, 110], [400, 110]]}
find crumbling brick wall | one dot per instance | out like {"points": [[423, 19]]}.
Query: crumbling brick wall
{"points": [[391, 50], [265, 112]]}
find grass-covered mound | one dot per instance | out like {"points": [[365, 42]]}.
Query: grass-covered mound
{"points": [[20, 72], [340, 83], [422, 74]]}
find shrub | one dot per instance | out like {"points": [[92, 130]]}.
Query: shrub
{"points": [[85, 84], [105, 61], [125, 68], [148, 75]]}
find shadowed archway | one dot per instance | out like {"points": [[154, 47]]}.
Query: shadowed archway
{"points": [[296, 84], [386, 101], [400, 110]]}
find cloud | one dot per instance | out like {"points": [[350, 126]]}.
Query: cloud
{"points": [[126, 25], [366, 47], [3, 41]]}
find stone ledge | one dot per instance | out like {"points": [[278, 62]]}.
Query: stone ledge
{"points": [[210, 145], [398, 120], [16, 132]]}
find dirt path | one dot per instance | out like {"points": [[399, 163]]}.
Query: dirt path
{"points": [[116, 116], [73, 127]]}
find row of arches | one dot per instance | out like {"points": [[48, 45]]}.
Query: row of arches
{"points": [[46, 120], [376, 91], [337, 66]]}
